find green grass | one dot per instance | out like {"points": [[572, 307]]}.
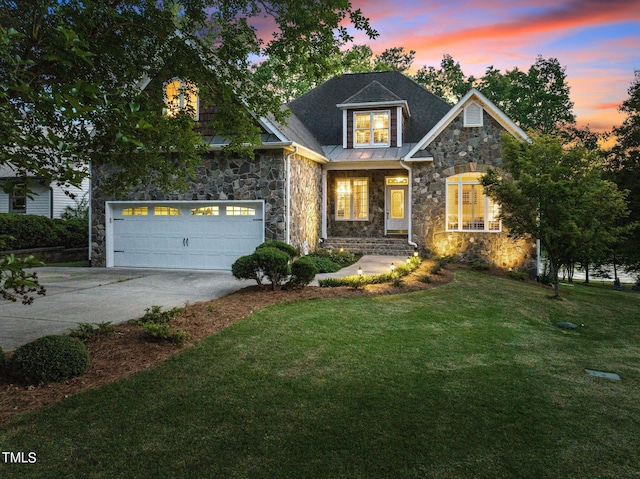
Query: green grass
{"points": [[469, 380]]}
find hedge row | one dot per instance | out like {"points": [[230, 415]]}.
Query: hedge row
{"points": [[33, 231]]}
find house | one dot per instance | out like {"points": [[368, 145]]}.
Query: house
{"points": [[371, 162], [44, 198]]}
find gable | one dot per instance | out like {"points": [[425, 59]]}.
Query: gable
{"points": [[318, 111], [473, 104]]}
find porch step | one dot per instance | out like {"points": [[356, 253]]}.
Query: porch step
{"points": [[378, 246]]}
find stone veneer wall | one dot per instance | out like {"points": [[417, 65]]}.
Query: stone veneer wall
{"points": [[306, 202], [218, 178], [456, 150], [372, 228]]}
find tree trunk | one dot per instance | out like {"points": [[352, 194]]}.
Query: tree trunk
{"points": [[586, 273]]}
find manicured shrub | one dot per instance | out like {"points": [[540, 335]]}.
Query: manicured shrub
{"points": [[324, 264], [246, 267], [154, 314], [274, 264], [303, 271], [342, 258], [34, 231], [291, 251], [73, 232], [160, 332], [28, 231], [89, 331], [51, 358]]}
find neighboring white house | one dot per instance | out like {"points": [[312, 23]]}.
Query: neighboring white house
{"points": [[48, 199]]}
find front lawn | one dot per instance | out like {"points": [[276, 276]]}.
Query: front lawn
{"points": [[469, 380]]}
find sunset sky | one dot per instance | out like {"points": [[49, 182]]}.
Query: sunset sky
{"points": [[597, 40]]}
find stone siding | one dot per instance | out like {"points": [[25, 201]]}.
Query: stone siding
{"points": [[372, 228], [306, 203], [460, 149], [218, 178]]}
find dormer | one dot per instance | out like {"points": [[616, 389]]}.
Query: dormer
{"points": [[373, 118]]}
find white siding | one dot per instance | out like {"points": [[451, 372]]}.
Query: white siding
{"points": [[61, 200], [40, 204]]}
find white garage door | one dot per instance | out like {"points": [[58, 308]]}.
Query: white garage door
{"points": [[198, 235]]}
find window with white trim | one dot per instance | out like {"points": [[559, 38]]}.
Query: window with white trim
{"points": [[180, 95], [468, 208], [352, 199], [372, 128], [18, 198]]}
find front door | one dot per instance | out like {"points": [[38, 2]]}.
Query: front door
{"points": [[397, 209]]}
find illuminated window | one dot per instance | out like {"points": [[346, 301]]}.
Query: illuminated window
{"points": [[18, 198], [181, 95], [468, 208], [240, 211], [165, 211], [137, 211], [206, 211], [372, 128], [352, 199]]}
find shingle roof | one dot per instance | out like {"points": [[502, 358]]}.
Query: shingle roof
{"points": [[318, 112], [373, 92]]}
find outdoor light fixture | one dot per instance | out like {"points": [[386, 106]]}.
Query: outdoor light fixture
{"points": [[392, 267], [408, 259], [359, 270], [415, 253], [342, 250]]}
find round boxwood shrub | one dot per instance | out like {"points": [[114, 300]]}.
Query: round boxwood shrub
{"points": [[303, 271], [246, 267], [274, 264], [292, 251], [51, 358]]}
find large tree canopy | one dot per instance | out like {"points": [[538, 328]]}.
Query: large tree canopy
{"points": [[557, 195], [72, 77], [537, 99], [625, 168], [71, 73]]}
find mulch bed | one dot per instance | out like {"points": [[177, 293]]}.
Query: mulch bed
{"points": [[126, 351]]}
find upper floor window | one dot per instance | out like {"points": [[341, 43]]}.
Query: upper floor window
{"points": [[180, 95], [468, 208], [372, 128]]}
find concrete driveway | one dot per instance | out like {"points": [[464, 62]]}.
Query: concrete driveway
{"points": [[95, 295]]}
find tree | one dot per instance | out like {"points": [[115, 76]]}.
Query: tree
{"points": [[72, 72], [537, 99], [292, 82], [557, 195], [448, 82], [624, 165], [394, 59]]}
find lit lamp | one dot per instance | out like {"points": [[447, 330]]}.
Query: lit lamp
{"points": [[392, 267], [415, 253], [359, 270], [408, 259]]}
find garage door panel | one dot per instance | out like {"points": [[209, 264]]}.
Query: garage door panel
{"points": [[186, 240]]}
